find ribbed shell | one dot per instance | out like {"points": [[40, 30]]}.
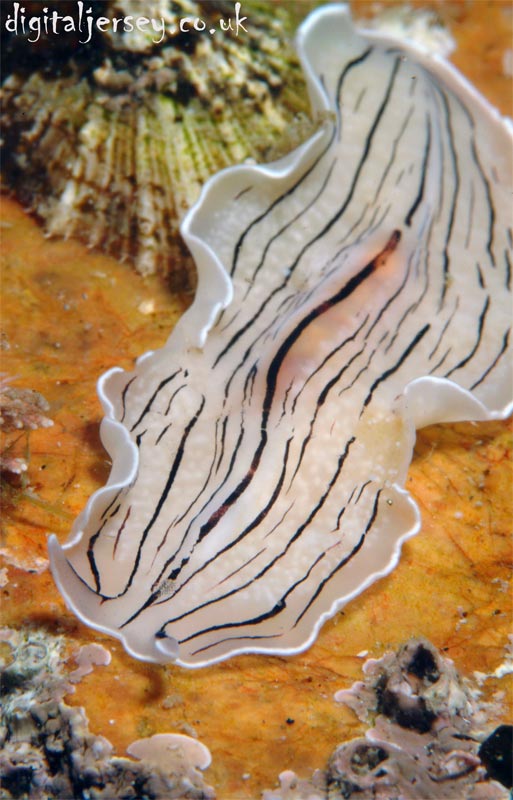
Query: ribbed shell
{"points": [[114, 150]]}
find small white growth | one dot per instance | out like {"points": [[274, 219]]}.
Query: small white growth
{"points": [[25, 561], [88, 657], [421, 28], [292, 788], [502, 584], [506, 668], [172, 753], [147, 307]]}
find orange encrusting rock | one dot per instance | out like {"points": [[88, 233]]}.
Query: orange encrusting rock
{"points": [[67, 316]]}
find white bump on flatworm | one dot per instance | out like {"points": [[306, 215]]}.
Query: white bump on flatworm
{"points": [[351, 291]]}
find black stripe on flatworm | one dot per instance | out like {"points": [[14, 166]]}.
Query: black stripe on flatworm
{"points": [[391, 299], [331, 354], [149, 404], [208, 501], [330, 223], [444, 329], [489, 198], [297, 534], [484, 180], [139, 437], [441, 361], [90, 556], [249, 383], [123, 396], [162, 499], [281, 604], [467, 358], [393, 153], [278, 607], [480, 277], [255, 522], [366, 365], [454, 197], [154, 597], [507, 261], [355, 62], [242, 566], [289, 223], [360, 493], [179, 389], [275, 366], [114, 499], [420, 194], [343, 562], [406, 353], [276, 202], [320, 402], [223, 438], [195, 499], [351, 286], [120, 531], [504, 347], [162, 543], [285, 398], [163, 432]]}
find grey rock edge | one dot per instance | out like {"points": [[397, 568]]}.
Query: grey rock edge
{"points": [[425, 728]]}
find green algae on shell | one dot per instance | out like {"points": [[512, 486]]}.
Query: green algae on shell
{"points": [[111, 142]]}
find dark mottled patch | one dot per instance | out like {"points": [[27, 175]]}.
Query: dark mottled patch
{"points": [[496, 754], [345, 788], [411, 713], [367, 757], [423, 665], [18, 782]]}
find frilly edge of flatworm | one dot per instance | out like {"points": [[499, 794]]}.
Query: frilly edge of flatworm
{"points": [[91, 585]]}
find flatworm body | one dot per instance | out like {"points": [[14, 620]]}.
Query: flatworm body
{"points": [[348, 293]]}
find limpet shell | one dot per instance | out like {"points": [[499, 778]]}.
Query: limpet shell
{"points": [[112, 141]]}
